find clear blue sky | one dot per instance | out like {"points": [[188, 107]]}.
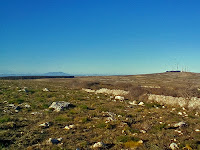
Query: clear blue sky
{"points": [[99, 36]]}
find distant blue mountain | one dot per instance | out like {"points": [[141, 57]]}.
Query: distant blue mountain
{"points": [[28, 74], [56, 74]]}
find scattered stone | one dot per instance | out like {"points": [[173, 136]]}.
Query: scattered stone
{"points": [[45, 125], [143, 131], [70, 127], [110, 116], [45, 90], [36, 113], [180, 113], [98, 145], [197, 114], [11, 105], [88, 90], [123, 124], [108, 119], [180, 124], [120, 98], [141, 104], [133, 103], [173, 146], [6, 111], [58, 106], [23, 90], [123, 131], [27, 106], [197, 130], [179, 132], [17, 108], [54, 141]]}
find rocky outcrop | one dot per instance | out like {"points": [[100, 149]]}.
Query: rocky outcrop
{"points": [[60, 105], [191, 103]]}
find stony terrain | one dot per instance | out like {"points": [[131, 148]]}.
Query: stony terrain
{"points": [[109, 112]]}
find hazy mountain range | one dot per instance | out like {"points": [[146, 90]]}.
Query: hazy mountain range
{"points": [[6, 74], [29, 74]]}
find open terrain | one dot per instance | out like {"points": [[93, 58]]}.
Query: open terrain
{"points": [[113, 110]]}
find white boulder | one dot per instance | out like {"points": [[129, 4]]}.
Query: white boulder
{"points": [[141, 104], [44, 125], [70, 127], [60, 105], [180, 124], [98, 145], [45, 90], [173, 146], [121, 98], [133, 103]]}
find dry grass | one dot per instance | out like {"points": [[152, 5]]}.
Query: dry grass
{"points": [[96, 116]]}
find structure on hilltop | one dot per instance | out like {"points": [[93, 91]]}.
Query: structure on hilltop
{"points": [[174, 71]]}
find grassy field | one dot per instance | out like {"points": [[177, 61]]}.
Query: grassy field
{"points": [[98, 117]]}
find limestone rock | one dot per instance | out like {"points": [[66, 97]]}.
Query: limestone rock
{"points": [[141, 104], [133, 103], [11, 105], [197, 130], [58, 106], [180, 124], [45, 90], [36, 113], [173, 146], [98, 145], [120, 98], [54, 141], [45, 125], [70, 127]]}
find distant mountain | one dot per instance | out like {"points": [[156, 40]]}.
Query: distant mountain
{"points": [[7, 74], [56, 74], [28, 74]]}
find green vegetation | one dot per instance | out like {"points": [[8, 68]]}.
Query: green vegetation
{"points": [[4, 119], [125, 139]]}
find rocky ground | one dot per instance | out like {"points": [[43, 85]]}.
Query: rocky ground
{"points": [[95, 113]]}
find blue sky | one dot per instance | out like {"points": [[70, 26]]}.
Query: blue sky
{"points": [[99, 36]]}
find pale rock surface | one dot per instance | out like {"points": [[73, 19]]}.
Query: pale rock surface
{"points": [[180, 124], [44, 125], [173, 146], [70, 127], [45, 90], [58, 106], [141, 104], [120, 98], [98, 145], [133, 103]]}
